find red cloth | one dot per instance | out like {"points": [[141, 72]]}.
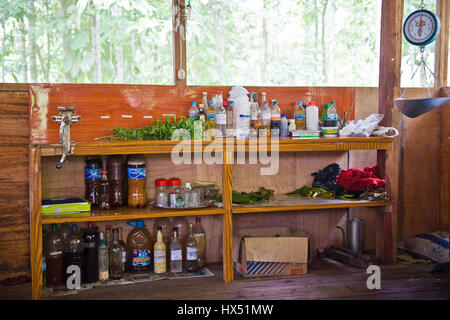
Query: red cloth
{"points": [[360, 180]]}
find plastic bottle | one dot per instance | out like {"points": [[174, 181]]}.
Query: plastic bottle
{"points": [[103, 260], [104, 192], [263, 98], [193, 111], [90, 251], [64, 231], [211, 116], [325, 114], [332, 112], [191, 252], [176, 253], [266, 114], [255, 116], [159, 251], [116, 176], [55, 274], [137, 177], [284, 130], [200, 238], [219, 99], [299, 116], [92, 175], [230, 130], [74, 250], [139, 247], [275, 119], [205, 100], [221, 118], [312, 116], [116, 254]]}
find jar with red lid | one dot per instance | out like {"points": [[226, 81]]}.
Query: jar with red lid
{"points": [[175, 199], [161, 192]]}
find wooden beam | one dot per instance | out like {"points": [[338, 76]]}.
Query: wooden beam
{"points": [[441, 50], [389, 89], [179, 47], [227, 217]]}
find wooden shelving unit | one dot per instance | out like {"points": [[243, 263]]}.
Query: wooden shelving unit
{"points": [[281, 203]]}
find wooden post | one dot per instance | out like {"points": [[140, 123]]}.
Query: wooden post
{"points": [[389, 89], [179, 48], [227, 217], [35, 223]]}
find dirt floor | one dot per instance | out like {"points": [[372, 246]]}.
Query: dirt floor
{"points": [[326, 280]]}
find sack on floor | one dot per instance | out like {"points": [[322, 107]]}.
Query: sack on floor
{"points": [[433, 246]]}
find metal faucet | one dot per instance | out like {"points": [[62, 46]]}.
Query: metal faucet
{"points": [[66, 118]]}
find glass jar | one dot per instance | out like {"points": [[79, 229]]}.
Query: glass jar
{"points": [[137, 177], [175, 199], [161, 193]]}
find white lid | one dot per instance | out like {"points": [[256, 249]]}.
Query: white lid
{"points": [[188, 185], [136, 161]]}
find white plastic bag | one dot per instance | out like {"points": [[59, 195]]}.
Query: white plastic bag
{"points": [[362, 128]]}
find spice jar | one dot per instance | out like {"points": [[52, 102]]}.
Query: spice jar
{"points": [[137, 177], [92, 175], [116, 175], [161, 193], [175, 199]]}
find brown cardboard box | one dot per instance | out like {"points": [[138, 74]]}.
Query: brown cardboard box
{"points": [[270, 252]]}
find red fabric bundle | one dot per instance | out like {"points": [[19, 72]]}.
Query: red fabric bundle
{"points": [[360, 180]]}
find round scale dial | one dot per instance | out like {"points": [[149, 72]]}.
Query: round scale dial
{"points": [[421, 27]]}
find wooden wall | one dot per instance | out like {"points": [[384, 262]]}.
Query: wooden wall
{"points": [[14, 207]]}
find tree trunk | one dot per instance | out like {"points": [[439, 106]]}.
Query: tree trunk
{"points": [[265, 37], [324, 52]]}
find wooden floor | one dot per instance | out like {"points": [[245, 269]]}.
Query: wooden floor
{"points": [[329, 280]]}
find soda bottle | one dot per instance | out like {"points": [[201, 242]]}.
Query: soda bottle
{"points": [[255, 116], [116, 176], [116, 254], [103, 260], [275, 119], [54, 259], [211, 116], [299, 116], [74, 250], [90, 254], [193, 111], [137, 177]]}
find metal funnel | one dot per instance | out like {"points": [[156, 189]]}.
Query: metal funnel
{"points": [[413, 108]]}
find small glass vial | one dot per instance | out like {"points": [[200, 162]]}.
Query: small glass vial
{"points": [[161, 193]]}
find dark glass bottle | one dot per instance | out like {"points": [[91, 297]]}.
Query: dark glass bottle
{"points": [[90, 252], [55, 273], [74, 250]]}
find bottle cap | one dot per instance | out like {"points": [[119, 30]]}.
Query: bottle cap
{"points": [[225, 103], [275, 102], [74, 227], [174, 229], [188, 185], [327, 106], [211, 102], [54, 227], [136, 161], [201, 106], [205, 93], [332, 102], [219, 92], [90, 224], [283, 115], [108, 227], [104, 172], [194, 103], [231, 102], [174, 181], [197, 219], [159, 228], [311, 103], [265, 101], [161, 182], [299, 103], [101, 236]]}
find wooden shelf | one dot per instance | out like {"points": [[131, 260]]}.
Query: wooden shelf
{"points": [[284, 202], [108, 147], [125, 213]]}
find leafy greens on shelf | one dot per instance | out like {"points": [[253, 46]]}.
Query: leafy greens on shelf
{"points": [[252, 197]]}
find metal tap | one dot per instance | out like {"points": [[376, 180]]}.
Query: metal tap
{"points": [[66, 118]]}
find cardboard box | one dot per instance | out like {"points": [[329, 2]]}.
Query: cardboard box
{"points": [[270, 252]]}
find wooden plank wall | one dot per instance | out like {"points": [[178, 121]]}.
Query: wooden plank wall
{"points": [[14, 206]]}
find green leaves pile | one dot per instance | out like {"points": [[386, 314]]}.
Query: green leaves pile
{"points": [[159, 131], [252, 197]]}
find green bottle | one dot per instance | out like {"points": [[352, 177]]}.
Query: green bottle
{"points": [[325, 114]]}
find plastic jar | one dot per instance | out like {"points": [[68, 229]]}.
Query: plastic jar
{"points": [[139, 247], [312, 117], [92, 175], [161, 193], [137, 177], [175, 199], [116, 175]]}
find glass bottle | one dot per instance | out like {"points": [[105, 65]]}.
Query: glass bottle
{"points": [[299, 116], [176, 253], [116, 253], [161, 193], [55, 273], [108, 235], [266, 114], [166, 229], [255, 116], [205, 100], [74, 250], [124, 252], [221, 118], [90, 251], [275, 119], [230, 131], [201, 113], [324, 117], [103, 260], [191, 252], [159, 250], [186, 194], [200, 238], [104, 192], [193, 111], [182, 227], [175, 199]]}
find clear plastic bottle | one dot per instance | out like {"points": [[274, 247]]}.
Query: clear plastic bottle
{"points": [[275, 119], [200, 238], [137, 178], [103, 260], [205, 100], [255, 116], [211, 116], [74, 250], [299, 116], [116, 254], [263, 98], [266, 114], [176, 253], [230, 131], [221, 118], [104, 192], [219, 99], [193, 111], [191, 252], [284, 130], [55, 273], [159, 251]]}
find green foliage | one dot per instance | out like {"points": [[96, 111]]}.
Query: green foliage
{"points": [[262, 194]]}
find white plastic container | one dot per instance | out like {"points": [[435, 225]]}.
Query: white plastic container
{"points": [[312, 117], [241, 112]]}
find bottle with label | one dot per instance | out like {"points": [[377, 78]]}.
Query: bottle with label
{"points": [[230, 130], [124, 252], [191, 252], [64, 231], [92, 174], [200, 238], [104, 192], [255, 116], [300, 116], [139, 247], [74, 250], [103, 260], [332, 112], [166, 229], [116, 176], [137, 177], [108, 235], [284, 130], [324, 114], [205, 100], [159, 250], [182, 231], [54, 259], [312, 116], [176, 253], [201, 113], [266, 114], [116, 257], [211, 116], [221, 118], [275, 119], [193, 111], [175, 198], [90, 252], [263, 98]]}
